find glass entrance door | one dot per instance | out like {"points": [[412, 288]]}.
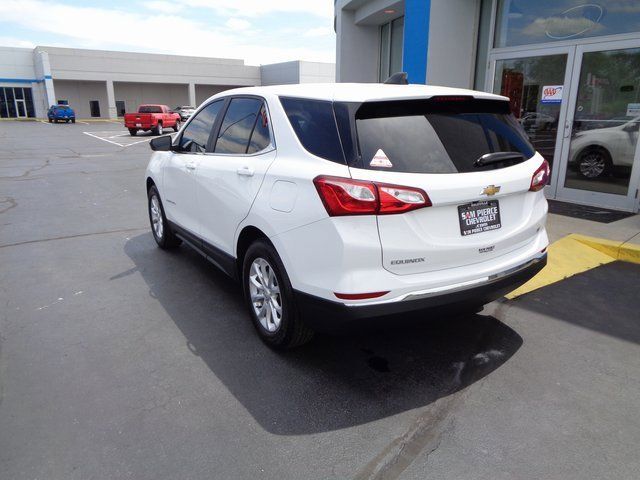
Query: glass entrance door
{"points": [[536, 85], [21, 108], [600, 163]]}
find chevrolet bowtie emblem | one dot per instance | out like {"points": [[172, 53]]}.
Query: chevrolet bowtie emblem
{"points": [[490, 190]]}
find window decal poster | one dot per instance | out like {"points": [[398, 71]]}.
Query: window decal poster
{"points": [[552, 94]]}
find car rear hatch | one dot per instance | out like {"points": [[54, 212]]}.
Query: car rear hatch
{"points": [[476, 209]]}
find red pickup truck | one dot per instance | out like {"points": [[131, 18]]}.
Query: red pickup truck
{"points": [[152, 117]]}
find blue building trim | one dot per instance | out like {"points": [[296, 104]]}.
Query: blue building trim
{"points": [[25, 80], [416, 39]]}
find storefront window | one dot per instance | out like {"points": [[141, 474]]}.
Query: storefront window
{"points": [[523, 22], [534, 86], [391, 41]]}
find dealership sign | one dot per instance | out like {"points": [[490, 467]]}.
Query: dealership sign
{"points": [[552, 94]]}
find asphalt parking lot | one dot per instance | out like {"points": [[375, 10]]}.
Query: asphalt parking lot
{"points": [[119, 360]]}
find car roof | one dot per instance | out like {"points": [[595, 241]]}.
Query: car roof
{"points": [[358, 92]]}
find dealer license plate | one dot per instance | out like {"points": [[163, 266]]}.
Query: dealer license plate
{"points": [[478, 217]]}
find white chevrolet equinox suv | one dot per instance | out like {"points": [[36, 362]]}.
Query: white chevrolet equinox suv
{"points": [[340, 202]]}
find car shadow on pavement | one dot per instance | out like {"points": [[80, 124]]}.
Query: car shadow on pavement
{"points": [[604, 299], [335, 381]]}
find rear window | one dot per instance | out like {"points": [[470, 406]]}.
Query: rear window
{"points": [[63, 107], [436, 135], [150, 109], [315, 126]]}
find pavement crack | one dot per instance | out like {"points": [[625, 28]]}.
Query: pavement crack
{"points": [[10, 201], [29, 171], [66, 237], [424, 435]]}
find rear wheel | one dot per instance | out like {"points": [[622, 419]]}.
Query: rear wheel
{"points": [[50, 120], [594, 163], [133, 132], [73, 120], [162, 233], [269, 296], [158, 130]]}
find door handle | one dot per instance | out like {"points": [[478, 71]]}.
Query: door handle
{"points": [[190, 166], [245, 171], [568, 127]]}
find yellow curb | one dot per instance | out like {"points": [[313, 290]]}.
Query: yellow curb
{"points": [[576, 254], [623, 251]]}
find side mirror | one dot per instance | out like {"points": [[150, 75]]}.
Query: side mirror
{"points": [[631, 127], [161, 144]]}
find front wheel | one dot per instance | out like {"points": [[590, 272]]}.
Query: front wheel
{"points": [[162, 233], [176, 127], [269, 296]]}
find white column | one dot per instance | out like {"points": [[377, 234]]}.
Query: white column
{"points": [[111, 100], [43, 73], [192, 94]]}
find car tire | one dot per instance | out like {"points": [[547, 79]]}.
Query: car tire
{"points": [[50, 120], [160, 228], [133, 132], [73, 120], [264, 275], [158, 130], [176, 127], [594, 163]]}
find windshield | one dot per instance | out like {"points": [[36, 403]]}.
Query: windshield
{"points": [[437, 136]]}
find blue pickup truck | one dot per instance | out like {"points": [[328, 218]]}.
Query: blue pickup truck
{"points": [[64, 113]]}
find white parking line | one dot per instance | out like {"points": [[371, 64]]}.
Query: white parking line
{"points": [[118, 135], [103, 139]]}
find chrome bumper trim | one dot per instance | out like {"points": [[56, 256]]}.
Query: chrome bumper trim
{"points": [[432, 292]]}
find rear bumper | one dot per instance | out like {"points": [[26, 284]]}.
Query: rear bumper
{"points": [[323, 315]]}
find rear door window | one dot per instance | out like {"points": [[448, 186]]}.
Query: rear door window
{"points": [[437, 136], [237, 126], [260, 138]]}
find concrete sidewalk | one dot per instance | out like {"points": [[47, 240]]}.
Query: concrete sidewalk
{"points": [[625, 230]]}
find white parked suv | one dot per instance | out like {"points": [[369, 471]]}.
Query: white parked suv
{"points": [[337, 202]]}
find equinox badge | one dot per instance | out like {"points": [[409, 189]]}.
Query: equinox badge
{"points": [[490, 190]]}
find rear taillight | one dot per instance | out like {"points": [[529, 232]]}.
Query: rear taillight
{"points": [[540, 177], [345, 196]]}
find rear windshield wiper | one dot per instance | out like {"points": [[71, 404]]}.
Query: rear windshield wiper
{"points": [[499, 157]]}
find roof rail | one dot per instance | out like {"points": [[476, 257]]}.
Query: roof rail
{"points": [[399, 78]]}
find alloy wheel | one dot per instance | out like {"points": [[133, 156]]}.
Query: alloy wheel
{"points": [[265, 294], [156, 217]]}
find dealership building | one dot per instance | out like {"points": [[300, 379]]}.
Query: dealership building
{"points": [[571, 69], [105, 84]]}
